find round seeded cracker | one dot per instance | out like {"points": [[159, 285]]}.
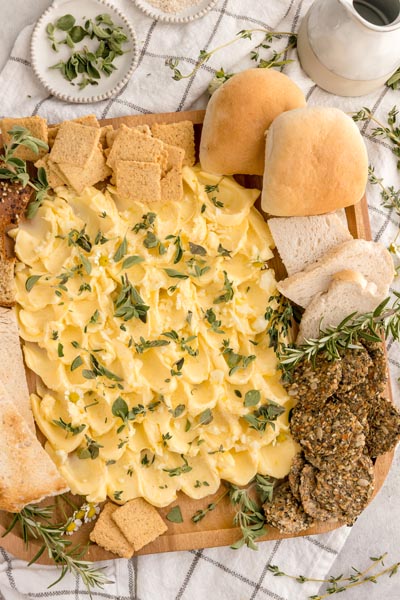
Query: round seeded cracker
{"points": [[285, 512]]}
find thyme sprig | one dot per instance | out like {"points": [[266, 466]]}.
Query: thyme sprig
{"points": [[389, 130], [15, 169], [281, 316], [390, 196], [35, 523], [339, 584], [275, 60], [394, 81], [355, 327]]}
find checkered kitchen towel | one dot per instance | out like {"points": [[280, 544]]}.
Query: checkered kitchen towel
{"points": [[220, 572]]}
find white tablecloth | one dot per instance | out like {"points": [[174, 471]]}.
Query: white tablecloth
{"points": [[221, 572]]}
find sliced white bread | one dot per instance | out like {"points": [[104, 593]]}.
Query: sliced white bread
{"points": [[301, 241], [12, 370], [349, 292], [371, 259], [27, 473]]}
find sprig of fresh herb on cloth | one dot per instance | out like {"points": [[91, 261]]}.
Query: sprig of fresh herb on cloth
{"points": [[389, 130], [84, 65], [276, 59], [15, 169], [394, 81], [369, 326], [35, 523], [341, 583]]}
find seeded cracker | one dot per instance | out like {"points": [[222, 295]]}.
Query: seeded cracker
{"points": [[133, 145], [384, 426], [37, 128], [331, 434], [140, 522], [313, 386], [96, 170], [107, 535], [355, 365], [138, 181], [346, 489], [285, 512], [307, 489], [377, 372], [75, 144], [177, 134], [298, 465]]}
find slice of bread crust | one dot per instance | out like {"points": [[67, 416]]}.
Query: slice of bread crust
{"points": [[371, 259], [349, 292], [301, 241]]}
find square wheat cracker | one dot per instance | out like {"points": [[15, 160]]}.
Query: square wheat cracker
{"points": [[140, 522], [177, 134], [53, 175], [80, 178], [88, 120], [36, 126], [172, 186], [138, 181], [107, 535], [131, 144], [75, 144]]}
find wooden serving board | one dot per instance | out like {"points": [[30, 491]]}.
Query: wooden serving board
{"points": [[216, 528]]}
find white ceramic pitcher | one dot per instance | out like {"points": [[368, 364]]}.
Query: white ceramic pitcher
{"points": [[350, 47]]}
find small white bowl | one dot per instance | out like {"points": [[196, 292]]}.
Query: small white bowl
{"points": [[43, 57], [185, 16]]}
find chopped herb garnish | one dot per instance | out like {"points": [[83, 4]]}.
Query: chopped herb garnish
{"points": [[265, 415], [68, 427], [118, 494], [85, 263], [91, 451], [185, 468], [100, 238], [252, 398], [175, 515], [79, 238], [178, 410], [224, 252], [129, 303], [147, 344], [54, 335], [176, 274], [178, 245], [233, 360], [178, 371], [121, 250], [212, 320], [77, 362], [200, 483], [30, 282], [152, 241], [146, 222], [228, 293], [60, 350], [196, 249], [165, 438], [132, 260]]}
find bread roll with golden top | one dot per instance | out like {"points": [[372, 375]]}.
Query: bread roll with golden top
{"points": [[315, 162], [237, 117]]}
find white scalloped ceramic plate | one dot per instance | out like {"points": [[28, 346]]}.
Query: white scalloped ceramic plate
{"points": [[185, 16], [43, 57]]}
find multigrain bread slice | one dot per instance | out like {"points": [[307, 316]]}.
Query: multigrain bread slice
{"points": [[14, 199], [348, 293], [140, 522], [108, 535], [12, 370], [7, 284], [27, 474], [371, 259], [301, 241]]}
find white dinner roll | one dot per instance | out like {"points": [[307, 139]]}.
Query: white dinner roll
{"points": [[315, 162], [237, 117]]}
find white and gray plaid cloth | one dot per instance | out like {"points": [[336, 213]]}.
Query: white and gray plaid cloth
{"points": [[219, 572]]}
